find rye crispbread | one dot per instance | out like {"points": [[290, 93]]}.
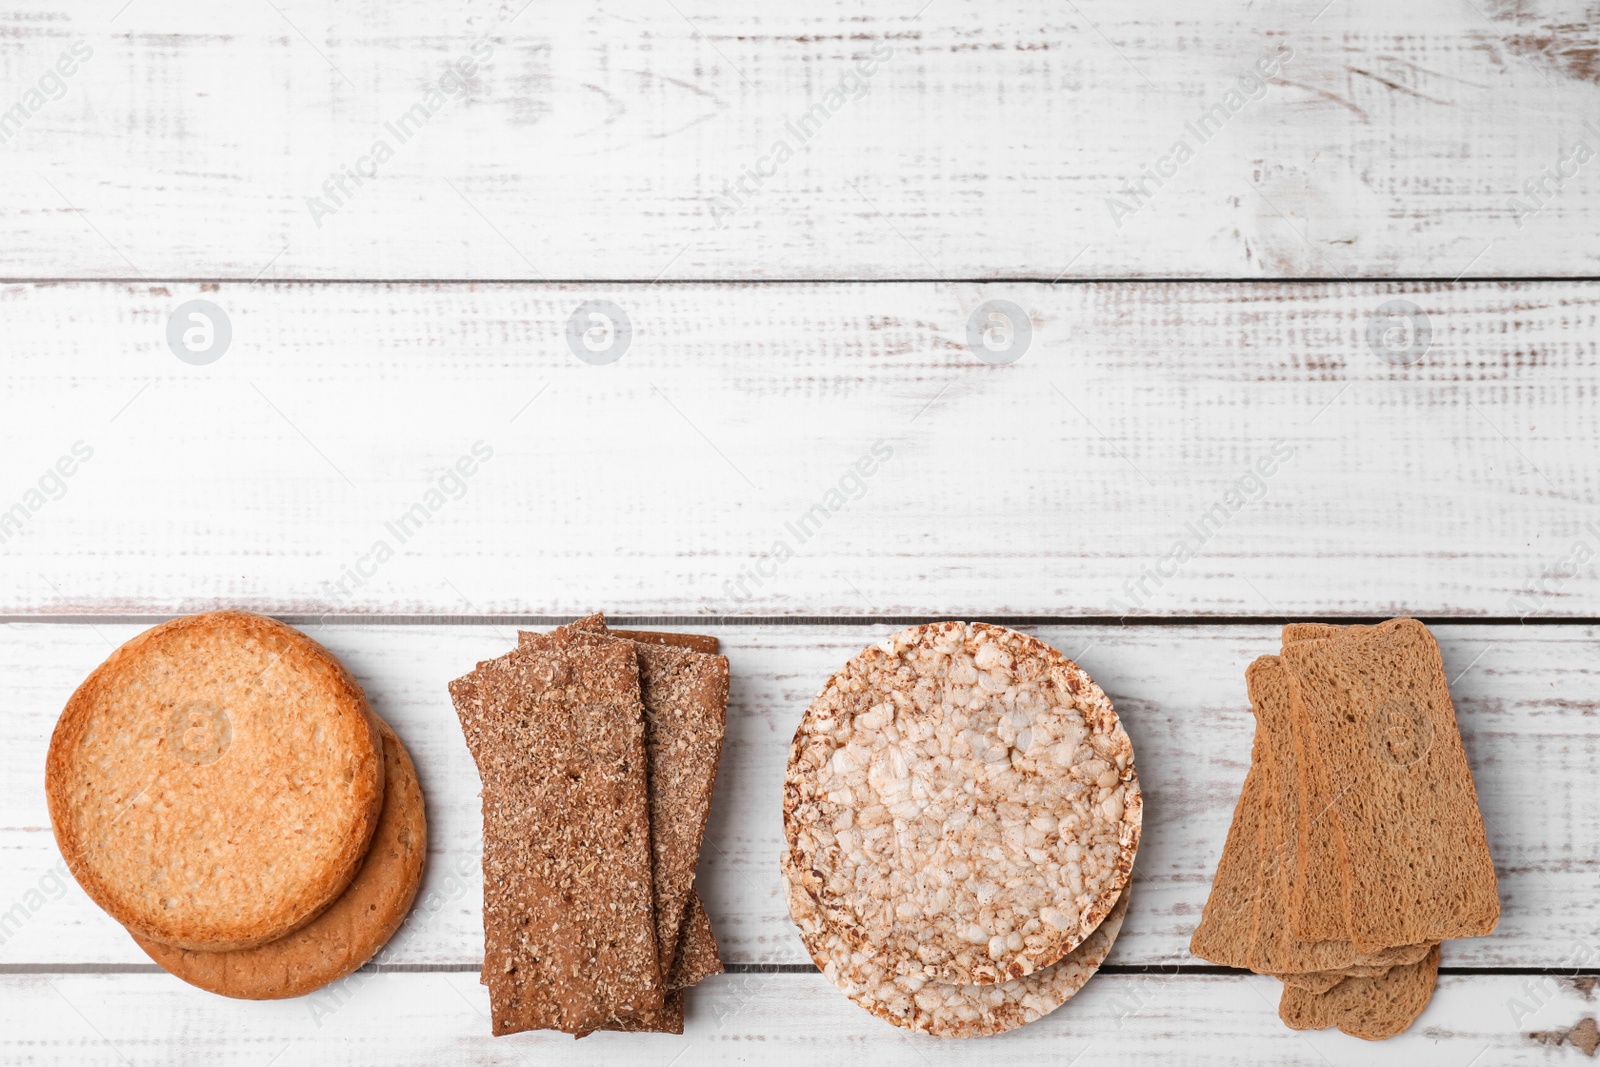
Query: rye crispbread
{"points": [[569, 926], [961, 800], [667, 1019], [1274, 947], [685, 697], [215, 783], [693, 642], [936, 1008], [356, 926], [698, 956], [1377, 706], [1368, 1008]]}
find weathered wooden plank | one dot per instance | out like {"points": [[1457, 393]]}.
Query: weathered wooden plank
{"points": [[1158, 449], [784, 1018], [633, 139], [1528, 700]]}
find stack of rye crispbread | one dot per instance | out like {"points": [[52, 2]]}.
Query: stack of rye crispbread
{"points": [[598, 752], [1357, 844]]}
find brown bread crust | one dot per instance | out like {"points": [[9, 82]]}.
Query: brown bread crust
{"points": [[1372, 1009]]}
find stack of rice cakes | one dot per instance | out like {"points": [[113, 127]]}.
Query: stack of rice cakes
{"points": [[598, 750], [962, 813], [1357, 844]]}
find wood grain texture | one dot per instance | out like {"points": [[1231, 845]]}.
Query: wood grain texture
{"points": [[989, 140], [1528, 700], [717, 467], [385, 1019]]}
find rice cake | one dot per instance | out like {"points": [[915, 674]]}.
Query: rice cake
{"points": [[345, 936], [1378, 708], [215, 783], [569, 927], [962, 803], [945, 1010], [1369, 1008]]}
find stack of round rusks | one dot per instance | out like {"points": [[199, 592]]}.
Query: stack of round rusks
{"points": [[962, 812], [221, 788]]}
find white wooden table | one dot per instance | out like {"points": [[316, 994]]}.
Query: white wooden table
{"points": [[788, 312]]}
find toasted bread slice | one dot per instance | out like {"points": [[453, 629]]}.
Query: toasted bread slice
{"points": [[1376, 706], [1368, 1008]]}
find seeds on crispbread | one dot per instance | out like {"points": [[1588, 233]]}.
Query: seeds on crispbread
{"points": [[698, 956], [539, 963], [685, 697], [961, 801], [569, 926], [693, 642]]}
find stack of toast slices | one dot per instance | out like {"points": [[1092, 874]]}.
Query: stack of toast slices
{"points": [[1357, 845], [598, 752]]}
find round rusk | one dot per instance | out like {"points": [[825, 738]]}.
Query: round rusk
{"points": [[214, 784], [345, 936]]}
